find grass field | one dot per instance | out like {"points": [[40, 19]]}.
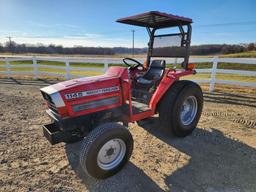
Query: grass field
{"points": [[235, 66], [244, 54]]}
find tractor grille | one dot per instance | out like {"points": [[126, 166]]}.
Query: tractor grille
{"points": [[52, 107], [50, 103], [46, 97]]}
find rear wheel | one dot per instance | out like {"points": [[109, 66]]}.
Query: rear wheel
{"points": [[73, 139], [181, 108], [106, 150]]}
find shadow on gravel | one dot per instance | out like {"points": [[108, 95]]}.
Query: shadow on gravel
{"points": [[228, 98], [217, 163], [131, 178]]}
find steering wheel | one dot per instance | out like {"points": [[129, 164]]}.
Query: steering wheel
{"points": [[136, 65]]}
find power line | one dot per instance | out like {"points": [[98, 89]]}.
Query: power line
{"points": [[227, 24], [125, 31]]}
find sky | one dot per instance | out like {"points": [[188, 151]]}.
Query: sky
{"points": [[92, 22]]}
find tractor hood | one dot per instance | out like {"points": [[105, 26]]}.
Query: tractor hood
{"points": [[70, 84], [112, 73], [84, 87]]}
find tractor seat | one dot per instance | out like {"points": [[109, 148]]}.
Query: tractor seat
{"points": [[153, 75]]}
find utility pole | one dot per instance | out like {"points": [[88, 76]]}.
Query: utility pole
{"points": [[133, 42], [10, 39], [10, 43]]}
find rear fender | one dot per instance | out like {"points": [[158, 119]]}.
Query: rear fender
{"points": [[167, 81]]}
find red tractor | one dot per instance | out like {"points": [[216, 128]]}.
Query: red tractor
{"points": [[98, 109]]}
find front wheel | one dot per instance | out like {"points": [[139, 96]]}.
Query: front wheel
{"points": [[181, 108], [106, 150]]}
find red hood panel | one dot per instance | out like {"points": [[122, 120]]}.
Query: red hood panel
{"points": [[111, 74], [84, 80]]}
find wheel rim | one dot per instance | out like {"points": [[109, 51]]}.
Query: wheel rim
{"points": [[189, 110], [111, 154]]}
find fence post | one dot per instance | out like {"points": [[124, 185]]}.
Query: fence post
{"points": [[35, 68], [8, 67], [105, 66], [175, 63], [67, 69], [213, 74]]}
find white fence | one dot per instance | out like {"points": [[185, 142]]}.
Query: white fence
{"points": [[106, 61]]}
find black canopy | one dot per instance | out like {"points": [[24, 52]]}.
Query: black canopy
{"points": [[155, 19]]}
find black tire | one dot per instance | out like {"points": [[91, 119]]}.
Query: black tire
{"points": [[73, 139], [171, 106], [95, 141]]}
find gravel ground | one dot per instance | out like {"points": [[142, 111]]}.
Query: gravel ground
{"points": [[220, 155]]}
